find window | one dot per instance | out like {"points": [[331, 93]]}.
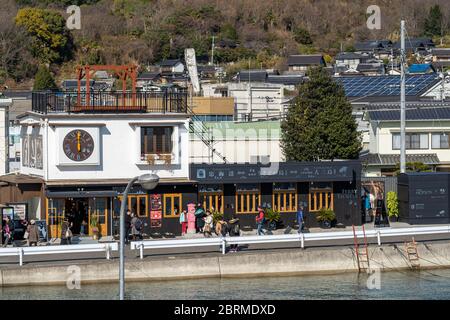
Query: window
{"points": [[439, 141], [137, 203], [172, 205], [211, 197], [247, 198], [320, 196], [156, 140], [284, 197], [412, 141]]}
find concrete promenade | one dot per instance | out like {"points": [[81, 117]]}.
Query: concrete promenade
{"points": [[251, 260]]}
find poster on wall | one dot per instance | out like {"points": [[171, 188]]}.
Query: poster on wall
{"points": [[42, 228], [32, 151], [8, 212], [155, 211], [20, 210]]}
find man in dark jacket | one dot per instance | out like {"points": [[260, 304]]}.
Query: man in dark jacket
{"points": [[199, 215], [127, 226]]}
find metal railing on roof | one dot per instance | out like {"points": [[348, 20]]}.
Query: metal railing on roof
{"points": [[166, 101]]}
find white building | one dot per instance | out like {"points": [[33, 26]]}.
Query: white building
{"points": [[253, 101], [427, 139]]}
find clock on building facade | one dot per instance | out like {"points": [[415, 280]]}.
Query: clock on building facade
{"points": [[78, 145]]}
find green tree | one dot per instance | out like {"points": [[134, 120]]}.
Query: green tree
{"points": [[433, 23], [413, 167], [44, 80], [51, 41], [319, 122], [302, 36], [392, 204]]}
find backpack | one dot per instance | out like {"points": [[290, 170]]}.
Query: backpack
{"points": [[138, 224]]}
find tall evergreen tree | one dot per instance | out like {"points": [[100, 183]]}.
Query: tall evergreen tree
{"points": [[319, 122], [44, 80], [433, 23]]}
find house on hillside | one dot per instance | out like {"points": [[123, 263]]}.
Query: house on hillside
{"points": [[171, 67], [301, 63], [381, 49], [441, 58], [351, 60]]}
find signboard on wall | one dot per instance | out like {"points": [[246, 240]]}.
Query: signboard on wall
{"points": [[155, 210], [276, 172], [42, 229], [20, 210], [32, 151]]}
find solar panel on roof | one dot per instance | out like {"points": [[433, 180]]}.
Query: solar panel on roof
{"points": [[386, 85]]}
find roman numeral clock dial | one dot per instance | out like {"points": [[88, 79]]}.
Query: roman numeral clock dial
{"points": [[78, 145]]}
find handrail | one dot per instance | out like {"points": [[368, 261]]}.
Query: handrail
{"points": [[59, 249], [301, 238]]}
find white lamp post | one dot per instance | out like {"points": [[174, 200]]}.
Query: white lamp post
{"points": [[148, 182]]}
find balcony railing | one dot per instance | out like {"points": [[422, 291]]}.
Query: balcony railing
{"points": [[166, 101]]}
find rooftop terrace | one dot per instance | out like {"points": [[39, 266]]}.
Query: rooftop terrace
{"points": [[170, 100]]}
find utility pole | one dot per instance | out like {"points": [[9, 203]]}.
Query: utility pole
{"points": [[402, 101], [212, 52]]}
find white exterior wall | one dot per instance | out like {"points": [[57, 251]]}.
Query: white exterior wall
{"points": [[4, 134], [386, 129], [237, 151], [118, 148]]}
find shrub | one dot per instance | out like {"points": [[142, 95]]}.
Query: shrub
{"points": [[217, 216], [272, 215], [392, 204], [325, 215]]}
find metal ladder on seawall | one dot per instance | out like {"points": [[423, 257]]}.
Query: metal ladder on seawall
{"points": [[362, 254], [412, 254]]}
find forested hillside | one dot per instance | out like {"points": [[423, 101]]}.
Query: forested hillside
{"points": [[33, 32]]}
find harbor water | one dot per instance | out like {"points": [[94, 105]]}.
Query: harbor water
{"points": [[424, 284]]}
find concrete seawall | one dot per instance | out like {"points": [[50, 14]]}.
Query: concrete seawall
{"points": [[251, 264]]}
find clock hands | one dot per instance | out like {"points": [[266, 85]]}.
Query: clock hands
{"points": [[78, 141]]}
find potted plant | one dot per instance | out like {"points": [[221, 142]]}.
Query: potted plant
{"points": [[167, 158], [94, 227], [151, 158], [392, 206], [272, 217], [217, 216], [325, 217]]}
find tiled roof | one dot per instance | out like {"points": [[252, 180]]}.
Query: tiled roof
{"points": [[394, 159], [285, 79], [409, 105], [169, 63], [441, 52], [411, 114], [306, 60], [252, 75]]}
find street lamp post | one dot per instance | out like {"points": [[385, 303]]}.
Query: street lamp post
{"points": [[148, 182]]}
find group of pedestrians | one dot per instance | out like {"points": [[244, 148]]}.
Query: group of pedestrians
{"points": [[8, 232], [204, 221], [261, 220], [133, 227]]}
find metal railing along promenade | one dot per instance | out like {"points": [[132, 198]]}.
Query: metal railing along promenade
{"points": [[107, 248], [302, 239]]}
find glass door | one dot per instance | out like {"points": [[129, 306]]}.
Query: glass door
{"points": [[55, 216], [98, 215]]}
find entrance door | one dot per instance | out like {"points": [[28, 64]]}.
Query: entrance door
{"points": [[98, 211], [55, 216]]}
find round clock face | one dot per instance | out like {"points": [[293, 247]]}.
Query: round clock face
{"points": [[78, 145]]}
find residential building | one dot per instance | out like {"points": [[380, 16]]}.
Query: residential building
{"points": [[5, 104], [301, 63], [427, 139], [441, 58], [351, 60], [381, 49], [171, 67]]}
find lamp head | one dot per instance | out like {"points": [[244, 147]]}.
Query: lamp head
{"points": [[148, 181]]}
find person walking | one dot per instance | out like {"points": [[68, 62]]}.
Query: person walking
{"points": [[127, 230], [83, 228], [260, 221], [300, 219], [207, 229], [183, 222], [33, 234], [66, 234], [136, 226], [8, 229], [234, 231], [199, 215]]}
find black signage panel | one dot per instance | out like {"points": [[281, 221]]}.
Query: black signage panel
{"points": [[276, 172]]}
